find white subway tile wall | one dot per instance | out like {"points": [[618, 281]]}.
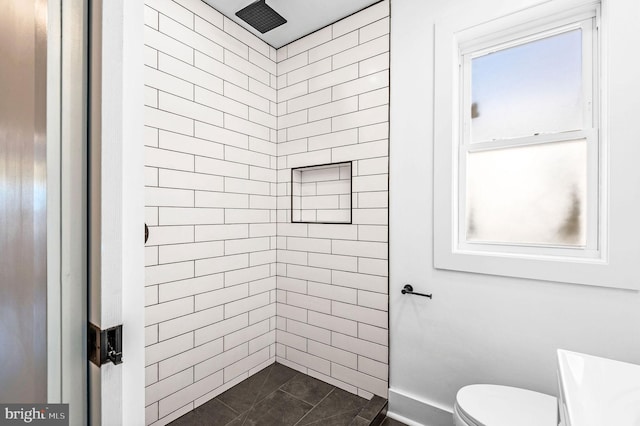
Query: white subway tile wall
{"points": [[333, 106], [227, 273], [211, 181]]}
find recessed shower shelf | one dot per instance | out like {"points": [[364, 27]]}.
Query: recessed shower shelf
{"points": [[322, 193]]}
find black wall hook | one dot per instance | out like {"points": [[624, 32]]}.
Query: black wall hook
{"points": [[408, 289]]}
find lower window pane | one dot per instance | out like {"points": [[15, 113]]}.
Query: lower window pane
{"points": [[532, 194]]}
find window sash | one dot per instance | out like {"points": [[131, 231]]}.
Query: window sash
{"points": [[587, 26], [587, 23], [591, 248]]}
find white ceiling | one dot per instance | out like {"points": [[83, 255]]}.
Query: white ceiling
{"points": [[303, 16]]}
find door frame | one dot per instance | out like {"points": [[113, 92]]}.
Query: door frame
{"points": [[116, 198], [66, 207], [110, 395]]}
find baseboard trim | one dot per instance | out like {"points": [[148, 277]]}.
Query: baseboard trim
{"points": [[415, 411]]}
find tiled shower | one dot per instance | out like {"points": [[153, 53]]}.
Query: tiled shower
{"points": [[234, 280]]}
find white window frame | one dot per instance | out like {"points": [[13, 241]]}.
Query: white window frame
{"points": [[587, 22], [610, 256]]}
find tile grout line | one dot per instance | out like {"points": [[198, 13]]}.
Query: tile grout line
{"points": [[223, 403], [299, 399], [258, 394], [319, 402]]}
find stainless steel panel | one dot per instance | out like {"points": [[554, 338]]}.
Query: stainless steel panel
{"points": [[23, 327]]}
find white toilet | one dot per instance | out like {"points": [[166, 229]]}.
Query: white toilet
{"points": [[493, 405]]}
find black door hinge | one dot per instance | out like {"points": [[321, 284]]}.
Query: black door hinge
{"points": [[104, 345]]}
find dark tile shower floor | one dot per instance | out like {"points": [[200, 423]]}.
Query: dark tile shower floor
{"points": [[281, 396]]}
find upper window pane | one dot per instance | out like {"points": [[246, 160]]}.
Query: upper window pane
{"points": [[528, 89]]}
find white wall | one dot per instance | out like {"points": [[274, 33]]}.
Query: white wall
{"points": [[333, 94], [481, 328], [210, 172]]}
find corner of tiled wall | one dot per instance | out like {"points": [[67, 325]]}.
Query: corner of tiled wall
{"points": [[210, 201], [332, 291], [227, 116]]}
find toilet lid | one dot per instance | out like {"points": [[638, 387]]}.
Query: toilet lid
{"points": [[493, 405]]}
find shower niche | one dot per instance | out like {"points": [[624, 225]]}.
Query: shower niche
{"points": [[322, 193]]}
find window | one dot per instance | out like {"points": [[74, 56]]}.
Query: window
{"points": [[533, 171], [528, 147]]}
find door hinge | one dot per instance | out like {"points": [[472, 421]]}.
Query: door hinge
{"points": [[104, 345]]}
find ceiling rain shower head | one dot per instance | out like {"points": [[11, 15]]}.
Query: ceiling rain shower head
{"points": [[260, 16]]}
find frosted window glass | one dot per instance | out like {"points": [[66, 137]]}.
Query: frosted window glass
{"points": [[532, 194], [532, 88]]}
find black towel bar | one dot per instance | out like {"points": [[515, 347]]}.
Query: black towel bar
{"points": [[408, 289]]}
